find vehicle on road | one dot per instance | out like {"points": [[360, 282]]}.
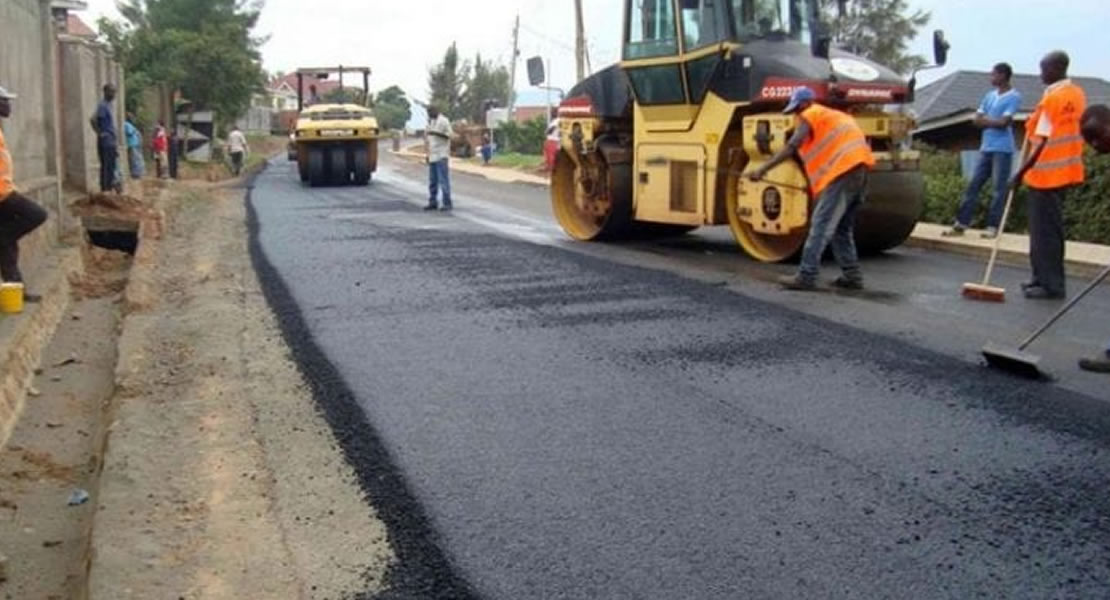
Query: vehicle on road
{"points": [[335, 144], [552, 143], [657, 144]]}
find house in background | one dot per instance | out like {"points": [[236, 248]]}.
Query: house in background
{"points": [[946, 107]]}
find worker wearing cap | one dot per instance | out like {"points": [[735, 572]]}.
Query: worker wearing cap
{"points": [[837, 157], [1095, 128], [1053, 167], [19, 215]]}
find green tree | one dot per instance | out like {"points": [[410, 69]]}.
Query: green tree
{"points": [[203, 48], [447, 82], [488, 83], [880, 30], [392, 108]]}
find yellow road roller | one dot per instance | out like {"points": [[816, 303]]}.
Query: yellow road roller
{"points": [[334, 143], [657, 144]]}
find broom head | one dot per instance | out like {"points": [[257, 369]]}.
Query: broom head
{"points": [[1014, 361], [986, 293]]}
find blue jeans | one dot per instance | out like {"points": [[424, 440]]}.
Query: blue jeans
{"points": [[439, 177], [998, 163], [834, 221]]}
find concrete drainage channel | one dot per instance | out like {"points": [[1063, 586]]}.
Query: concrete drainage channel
{"points": [[50, 467]]}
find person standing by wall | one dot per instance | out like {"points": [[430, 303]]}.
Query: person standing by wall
{"points": [[837, 157], [996, 152], [437, 141], [19, 215], [104, 124], [237, 149], [1052, 166], [134, 139], [1095, 128], [159, 147]]}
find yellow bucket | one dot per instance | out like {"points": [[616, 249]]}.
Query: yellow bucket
{"points": [[11, 298]]}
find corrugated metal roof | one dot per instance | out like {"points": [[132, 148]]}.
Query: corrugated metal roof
{"points": [[963, 90]]}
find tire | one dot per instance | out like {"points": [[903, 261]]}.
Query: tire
{"points": [[361, 168], [611, 223], [338, 173], [316, 175], [895, 202]]}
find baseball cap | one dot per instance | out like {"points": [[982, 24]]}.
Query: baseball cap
{"points": [[5, 94], [800, 95]]}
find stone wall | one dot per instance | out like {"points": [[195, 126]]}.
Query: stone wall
{"points": [[23, 41], [84, 69], [58, 80]]}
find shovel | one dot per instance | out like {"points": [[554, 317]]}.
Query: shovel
{"points": [[1019, 362]]}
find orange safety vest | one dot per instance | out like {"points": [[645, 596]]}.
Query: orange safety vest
{"points": [[837, 145], [1061, 162], [7, 186]]}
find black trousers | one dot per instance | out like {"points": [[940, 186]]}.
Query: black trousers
{"points": [[19, 215], [1046, 238], [109, 157]]}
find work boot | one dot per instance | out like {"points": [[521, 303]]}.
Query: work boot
{"points": [[990, 233], [431, 207], [446, 208], [1097, 364], [796, 283], [848, 283], [1025, 285], [1039, 293], [956, 231]]}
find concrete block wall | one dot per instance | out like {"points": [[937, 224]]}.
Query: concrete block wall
{"points": [[22, 43]]}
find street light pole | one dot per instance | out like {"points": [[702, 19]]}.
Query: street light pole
{"points": [[579, 41]]}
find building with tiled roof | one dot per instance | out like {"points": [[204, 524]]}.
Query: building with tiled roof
{"points": [[945, 108]]}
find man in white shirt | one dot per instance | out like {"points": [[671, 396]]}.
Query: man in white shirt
{"points": [[437, 140], [237, 148]]}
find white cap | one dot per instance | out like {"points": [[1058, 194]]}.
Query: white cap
{"points": [[5, 94]]}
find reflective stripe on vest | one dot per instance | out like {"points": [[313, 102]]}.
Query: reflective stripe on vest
{"points": [[836, 145], [1061, 162]]}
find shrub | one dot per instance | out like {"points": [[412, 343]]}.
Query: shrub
{"points": [[1086, 211], [525, 138]]}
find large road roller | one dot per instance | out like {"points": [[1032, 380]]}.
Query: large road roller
{"points": [[334, 144], [657, 144]]}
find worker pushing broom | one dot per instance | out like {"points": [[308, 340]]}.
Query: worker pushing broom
{"points": [[1052, 163], [1094, 125]]}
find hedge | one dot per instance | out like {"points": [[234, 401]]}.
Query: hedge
{"points": [[1086, 211]]}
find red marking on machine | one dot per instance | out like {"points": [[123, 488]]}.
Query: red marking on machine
{"points": [[578, 106]]}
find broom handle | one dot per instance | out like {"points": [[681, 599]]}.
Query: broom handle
{"points": [[1002, 225], [1056, 317]]}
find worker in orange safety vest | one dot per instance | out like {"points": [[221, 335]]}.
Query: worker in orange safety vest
{"points": [[837, 158], [1052, 165]]}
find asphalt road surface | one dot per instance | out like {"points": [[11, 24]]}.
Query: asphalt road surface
{"points": [[540, 419]]}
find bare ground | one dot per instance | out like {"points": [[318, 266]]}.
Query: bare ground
{"points": [[221, 480]]}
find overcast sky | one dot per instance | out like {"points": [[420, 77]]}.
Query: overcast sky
{"points": [[401, 39]]}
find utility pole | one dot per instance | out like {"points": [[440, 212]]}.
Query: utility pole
{"points": [[512, 66], [579, 41]]}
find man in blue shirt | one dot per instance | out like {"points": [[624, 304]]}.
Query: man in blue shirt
{"points": [[996, 152], [134, 139], [104, 124]]}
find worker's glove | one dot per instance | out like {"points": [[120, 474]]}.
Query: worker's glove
{"points": [[756, 175]]}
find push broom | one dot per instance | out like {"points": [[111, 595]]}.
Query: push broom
{"points": [[984, 290], [1020, 362]]}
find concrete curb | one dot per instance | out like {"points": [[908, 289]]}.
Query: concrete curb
{"points": [[24, 337]]}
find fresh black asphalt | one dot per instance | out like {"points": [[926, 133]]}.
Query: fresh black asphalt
{"points": [[533, 422]]}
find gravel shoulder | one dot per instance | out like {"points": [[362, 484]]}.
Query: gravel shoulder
{"points": [[220, 479]]}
